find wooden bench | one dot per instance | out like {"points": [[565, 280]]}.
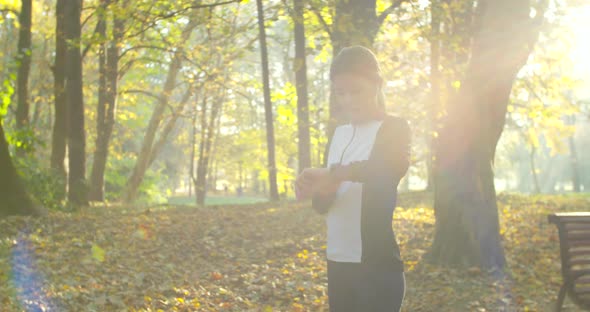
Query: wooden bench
{"points": [[574, 245]]}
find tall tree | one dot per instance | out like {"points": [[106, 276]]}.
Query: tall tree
{"points": [[357, 23], [467, 226], [457, 23], [60, 122], [270, 136], [574, 158], [205, 147], [146, 151], [15, 200], [24, 66], [451, 24], [107, 100], [77, 189], [534, 174], [434, 109], [300, 65], [96, 191]]}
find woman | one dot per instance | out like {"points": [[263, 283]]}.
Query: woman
{"points": [[358, 188]]}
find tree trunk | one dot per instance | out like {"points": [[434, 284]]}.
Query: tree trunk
{"points": [[434, 109], [77, 189], [270, 137], [467, 226], [200, 178], [300, 66], [107, 107], [458, 25], [551, 173], [574, 162], [240, 177], [60, 123], [208, 130], [191, 175], [24, 66], [39, 103], [574, 159], [96, 192], [145, 153], [355, 23], [15, 200], [169, 126], [457, 28], [212, 171], [534, 175]]}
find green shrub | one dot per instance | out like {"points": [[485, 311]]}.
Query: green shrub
{"points": [[45, 185], [152, 188]]}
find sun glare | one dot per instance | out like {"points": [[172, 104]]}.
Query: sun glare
{"points": [[580, 53]]}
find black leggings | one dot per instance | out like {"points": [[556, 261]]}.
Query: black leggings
{"points": [[356, 287]]}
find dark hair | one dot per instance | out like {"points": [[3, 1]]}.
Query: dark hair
{"points": [[361, 61], [356, 60]]}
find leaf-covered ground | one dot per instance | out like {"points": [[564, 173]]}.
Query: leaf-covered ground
{"points": [[255, 258]]}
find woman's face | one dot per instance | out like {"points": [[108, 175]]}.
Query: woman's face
{"points": [[356, 95]]}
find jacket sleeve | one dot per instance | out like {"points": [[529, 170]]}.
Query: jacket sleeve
{"points": [[390, 158]]}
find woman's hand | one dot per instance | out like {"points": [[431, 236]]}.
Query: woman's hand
{"points": [[315, 181], [303, 186]]}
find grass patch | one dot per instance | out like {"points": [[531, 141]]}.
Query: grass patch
{"points": [[217, 200]]}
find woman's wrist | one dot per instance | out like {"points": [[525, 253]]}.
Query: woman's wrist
{"points": [[338, 173]]}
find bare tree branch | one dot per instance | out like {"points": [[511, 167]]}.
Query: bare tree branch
{"points": [[127, 66], [144, 92], [104, 6], [288, 7], [381, 18], [159, 17], [8, 10], [197, 6], [87, 48], [143, 46], [321, 19]]}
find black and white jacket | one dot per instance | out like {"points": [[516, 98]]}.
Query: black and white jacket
{"points": [[359, 216]]}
